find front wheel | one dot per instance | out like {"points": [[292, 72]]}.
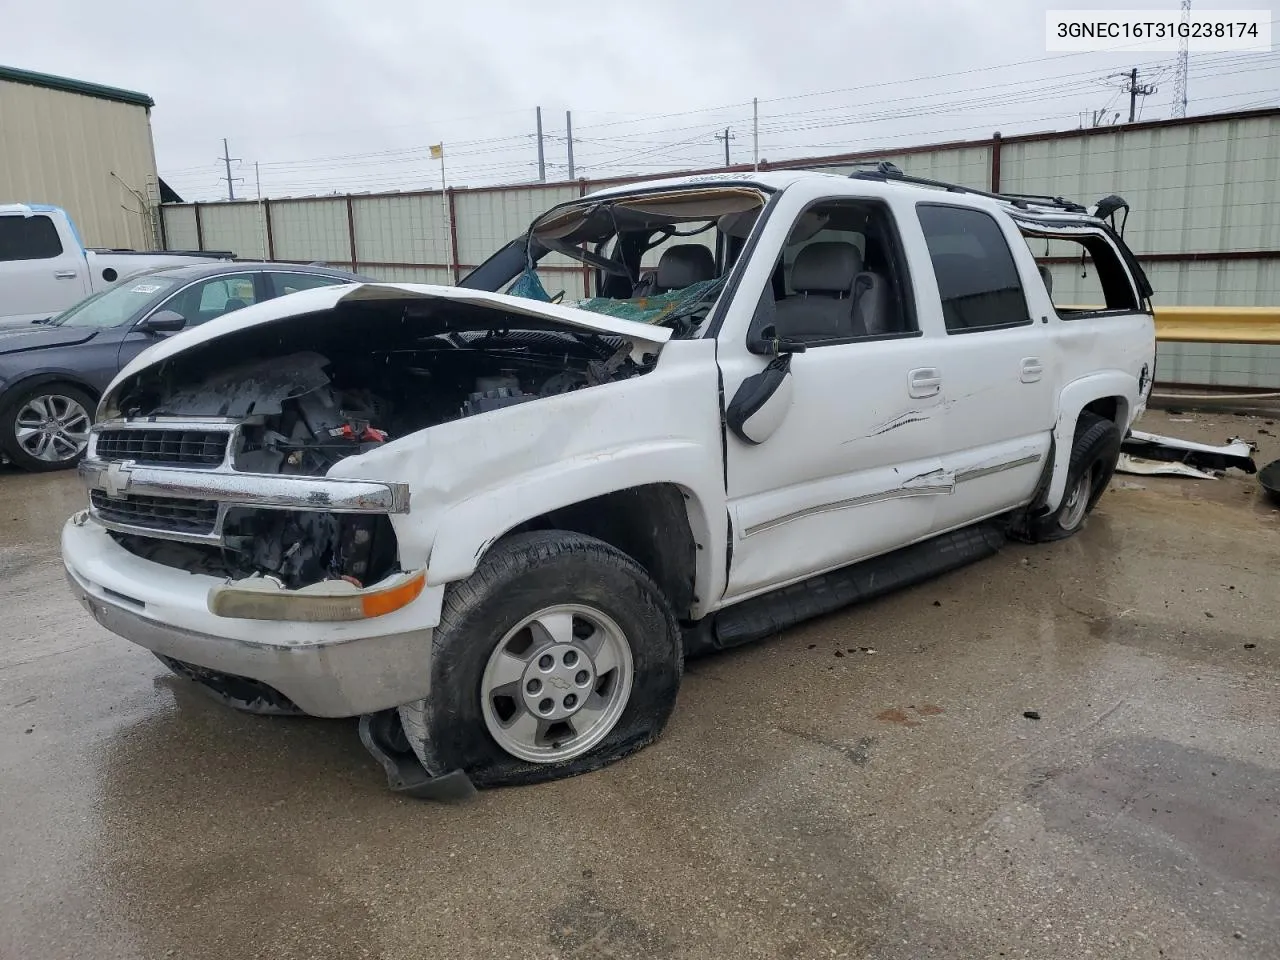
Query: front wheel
{"points": [[46, 427], [557, 656]]}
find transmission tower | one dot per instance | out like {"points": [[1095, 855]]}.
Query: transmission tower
{"points": [[1180, 74]]}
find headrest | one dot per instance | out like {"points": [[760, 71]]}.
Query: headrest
{"points": [[1047, 277], [738, 225], [828, 266], [685, 265]]}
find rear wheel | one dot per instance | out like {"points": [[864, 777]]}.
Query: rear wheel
{"points": [[557, 656], [1093, 460], [46, 427]]}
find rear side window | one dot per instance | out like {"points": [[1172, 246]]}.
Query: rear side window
{"points": [[286, 283], [29, 238], [977, 277], [1083, 275]]}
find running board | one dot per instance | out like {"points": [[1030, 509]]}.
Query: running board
{"points": [[765, 615]]}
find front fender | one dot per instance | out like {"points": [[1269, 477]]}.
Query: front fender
{"points": [[466, 530], [1074, 398]]}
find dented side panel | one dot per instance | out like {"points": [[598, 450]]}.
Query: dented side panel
{"points": [[473, 480]]}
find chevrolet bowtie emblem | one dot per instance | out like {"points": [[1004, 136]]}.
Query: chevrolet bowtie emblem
{"points": [[116, 479]]}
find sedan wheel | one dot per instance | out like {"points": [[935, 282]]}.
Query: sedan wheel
{"points": [[47, 427], [53, 428]]}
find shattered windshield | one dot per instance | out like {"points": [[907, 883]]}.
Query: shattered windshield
{"points": [[659, 257]]}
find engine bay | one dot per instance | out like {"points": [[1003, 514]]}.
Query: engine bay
{"points": [[301, 412]]}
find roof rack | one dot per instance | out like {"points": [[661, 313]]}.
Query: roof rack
{"points": [[885, 171]]}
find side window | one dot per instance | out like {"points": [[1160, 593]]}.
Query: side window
{"points": [[977, 277], [840, 277], [286, 283], [29, 238], [1083, 275], [214, 297]]}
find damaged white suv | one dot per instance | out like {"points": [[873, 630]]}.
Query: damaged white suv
{"points": [[493, 526]]}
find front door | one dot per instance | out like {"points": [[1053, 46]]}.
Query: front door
{"points": [[840, 461], [199, 303], [40, 276]]}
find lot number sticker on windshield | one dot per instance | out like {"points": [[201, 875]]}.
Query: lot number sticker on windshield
{"points": [[146, 288]]}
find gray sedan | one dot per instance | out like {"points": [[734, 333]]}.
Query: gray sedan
{"points": [[53, 371]]}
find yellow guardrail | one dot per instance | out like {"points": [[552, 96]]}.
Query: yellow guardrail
{"points": [[1214, 324], [1218, 324]]}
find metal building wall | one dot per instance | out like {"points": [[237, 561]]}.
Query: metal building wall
{"points": [[487, 219], [308, 230], [62, 148], [1205, 219], [180, 226], [237, 227]]}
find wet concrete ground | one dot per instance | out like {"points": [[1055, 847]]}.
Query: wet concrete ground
{"points": [[864, 786]]}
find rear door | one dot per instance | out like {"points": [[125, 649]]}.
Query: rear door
{"points": [[998, 369], [283, 284], [39, 274], [1101, 319]]}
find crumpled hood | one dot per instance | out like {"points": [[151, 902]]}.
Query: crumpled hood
{"points": [[40, 336], [327, 298]]}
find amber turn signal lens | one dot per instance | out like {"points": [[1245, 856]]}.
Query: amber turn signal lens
{"points": [[258, 598]]}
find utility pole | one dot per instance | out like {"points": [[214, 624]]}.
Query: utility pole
{"points": [[726, 137], [1184, 62], [1136, 90], [755, 133], [542, 160], [226, 159], [568, 132], [262, 217]]}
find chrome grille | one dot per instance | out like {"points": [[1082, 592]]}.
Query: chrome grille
{"points": [[180, 447], [169, 514]]}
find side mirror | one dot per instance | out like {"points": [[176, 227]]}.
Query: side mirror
{"points": [[163, 321], [769, 344], [761, 402]]}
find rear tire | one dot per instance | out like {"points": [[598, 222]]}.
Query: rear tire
{"points": [[46, 427], [1093, 461], [559, 655]]}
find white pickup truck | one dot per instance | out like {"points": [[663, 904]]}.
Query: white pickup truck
{"points": [[45, 268], [494, 526]]}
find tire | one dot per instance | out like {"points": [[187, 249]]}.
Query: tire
{"points": [[46, 427], [482, 667], [1094, 454]]}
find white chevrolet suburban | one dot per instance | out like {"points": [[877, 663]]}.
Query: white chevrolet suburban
{"points": [[45, 267], [493, 526]]}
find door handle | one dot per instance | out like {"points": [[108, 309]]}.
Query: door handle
{"points": [[1032, 368], [924, 382], [64, 274]]}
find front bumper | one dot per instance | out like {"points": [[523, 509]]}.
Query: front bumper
{"points": [[339, 669], [229, 488]]}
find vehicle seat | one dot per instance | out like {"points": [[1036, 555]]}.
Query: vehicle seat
{"points": [[682, 266], [835, 298], [1047, 276], [233, 305]]}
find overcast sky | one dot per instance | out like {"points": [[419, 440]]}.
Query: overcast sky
{"points": [[340, 95]]}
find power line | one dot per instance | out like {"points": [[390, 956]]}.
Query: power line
{"points": [[620, 147], [418, 152]]}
